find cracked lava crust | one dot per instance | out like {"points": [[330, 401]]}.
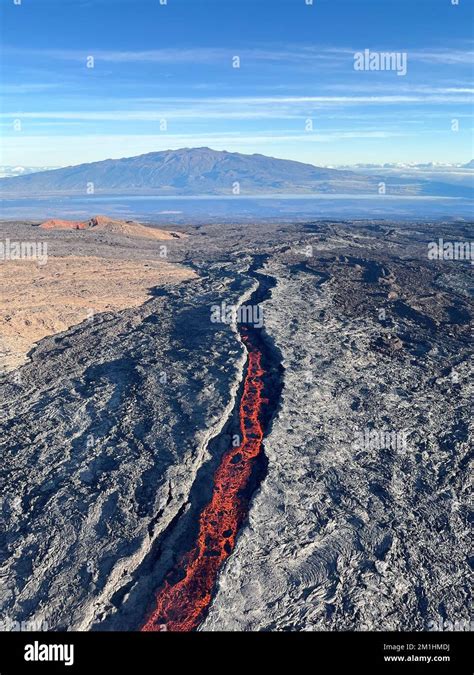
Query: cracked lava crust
{"points": [[180, 606]]}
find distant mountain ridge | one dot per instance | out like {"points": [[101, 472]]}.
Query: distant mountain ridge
{"points": [[203, 171]]}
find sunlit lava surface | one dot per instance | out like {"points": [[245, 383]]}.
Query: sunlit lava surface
{"points": [[180, 606]]}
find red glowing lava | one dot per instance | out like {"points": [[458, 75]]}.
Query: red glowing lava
{"points": [[181, 606]]}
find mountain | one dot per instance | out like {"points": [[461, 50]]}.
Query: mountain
{"points": [[178, 172], [469, 165], [202, 171]]}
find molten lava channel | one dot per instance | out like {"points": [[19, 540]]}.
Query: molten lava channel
{"points": [[181, 606]]}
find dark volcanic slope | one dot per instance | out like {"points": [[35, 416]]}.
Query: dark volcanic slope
{"points": [[107, 433], [102, 433], [348, 534], [202, 171]]}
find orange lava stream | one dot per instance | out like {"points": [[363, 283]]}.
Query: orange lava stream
{"points": [[181, 606]]}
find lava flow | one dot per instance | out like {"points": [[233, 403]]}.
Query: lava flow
{"points": [[181, 606]]}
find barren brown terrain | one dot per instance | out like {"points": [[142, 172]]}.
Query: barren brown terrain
{"points": [[106, 224], [38, 301]]}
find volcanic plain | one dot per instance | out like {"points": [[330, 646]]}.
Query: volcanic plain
{"points": [[119, 401]]}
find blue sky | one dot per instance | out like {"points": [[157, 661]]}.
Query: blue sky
{"points": [[163, 77]]}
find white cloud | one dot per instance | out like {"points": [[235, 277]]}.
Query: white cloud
{"points": [[58, 150], [302, 54], [272, 107], [27, 88]]}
